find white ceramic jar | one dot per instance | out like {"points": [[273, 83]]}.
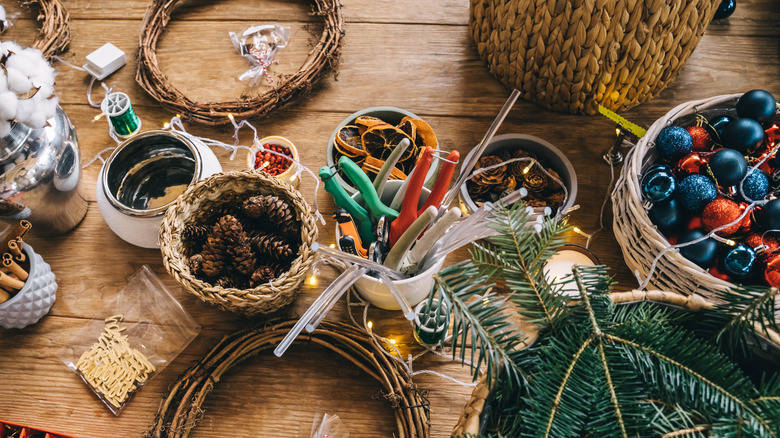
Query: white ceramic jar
{"points": [[144, 176], [35, 299]]}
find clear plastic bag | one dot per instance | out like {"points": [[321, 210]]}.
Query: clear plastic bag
{"points": [[328, 426], [259, 46], [130, 341]]}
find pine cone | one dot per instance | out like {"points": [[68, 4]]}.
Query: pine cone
{"points": [[274, 210], [195, 235], [215, 250], [265, 273], [243, 257], [225, 283], [196, 264], [272, 245]]}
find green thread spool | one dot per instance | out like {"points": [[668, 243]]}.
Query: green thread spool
{"points": [[121, 115], [431, 325]]}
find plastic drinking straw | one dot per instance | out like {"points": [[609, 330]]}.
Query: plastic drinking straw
{"points": [[356, 260], [468, 166], [402, 302], [335, 291], [317, 305]]}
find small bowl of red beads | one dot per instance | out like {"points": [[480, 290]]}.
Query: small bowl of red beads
{"points": [[277, 157]]}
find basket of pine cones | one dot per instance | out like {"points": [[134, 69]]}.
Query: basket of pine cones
{"points": [[240, 240]]}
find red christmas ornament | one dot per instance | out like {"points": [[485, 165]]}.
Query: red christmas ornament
{"points": [[747, 222], [768, 164], [695, 162], [717, 274], [720, 212], [772, 136], [772, 270], [695, 223], [754, 240], [702, 140]]}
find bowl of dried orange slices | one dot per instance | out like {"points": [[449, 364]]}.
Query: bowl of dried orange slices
{"points": [[369, 136]]}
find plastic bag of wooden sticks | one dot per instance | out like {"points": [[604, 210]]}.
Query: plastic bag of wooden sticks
{"points": [[130, 341]]}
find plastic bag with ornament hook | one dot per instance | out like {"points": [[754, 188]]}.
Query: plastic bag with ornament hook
{"points": [[259, 46]]}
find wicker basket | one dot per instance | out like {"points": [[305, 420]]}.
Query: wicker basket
{"points": [[571, 56], [638, 237], [197, 205]]}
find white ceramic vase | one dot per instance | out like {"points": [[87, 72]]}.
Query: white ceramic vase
{"points": [[35, 299]]}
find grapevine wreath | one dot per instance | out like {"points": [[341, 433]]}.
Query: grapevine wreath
{"points": [[181, 409], [54, 36], [152, 79]]}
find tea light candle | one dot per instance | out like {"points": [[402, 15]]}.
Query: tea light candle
{"points": [[561, 263]]}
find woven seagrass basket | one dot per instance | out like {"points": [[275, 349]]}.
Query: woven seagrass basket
{"points": [[198, 204], [571, 56], [640, 240]]}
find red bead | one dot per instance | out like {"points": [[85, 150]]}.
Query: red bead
{"points": [[702, 140], [720, 212]]}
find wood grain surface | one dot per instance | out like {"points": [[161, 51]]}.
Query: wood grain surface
{"points": [[413, 54]]}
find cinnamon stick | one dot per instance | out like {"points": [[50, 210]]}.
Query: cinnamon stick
{"points": [[4, 296], [8, 262], [16, 251], [10, 282], [18, 231]]}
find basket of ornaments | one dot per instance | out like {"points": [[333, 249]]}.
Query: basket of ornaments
{"points": [[695, 207]]}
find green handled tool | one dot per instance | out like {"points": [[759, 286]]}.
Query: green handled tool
{"points": [[342, 199], [366, 188]]}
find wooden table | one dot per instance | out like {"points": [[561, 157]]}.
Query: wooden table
{"points": [[407, 53]]}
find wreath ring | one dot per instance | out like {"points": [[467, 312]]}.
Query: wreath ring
{"points": [[54, 36], [151, 78], [181, 408]]}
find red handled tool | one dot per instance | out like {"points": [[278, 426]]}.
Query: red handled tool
{"points": [[408, 213], [442, 182]]}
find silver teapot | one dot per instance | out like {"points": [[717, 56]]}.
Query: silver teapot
{"points": [[40, 170]]}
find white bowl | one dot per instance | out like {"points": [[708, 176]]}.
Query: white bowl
{"points": [[35, 299], [135, 225], [389, 114]]}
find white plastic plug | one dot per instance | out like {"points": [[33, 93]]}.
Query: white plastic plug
{"points": [[104, 61]]}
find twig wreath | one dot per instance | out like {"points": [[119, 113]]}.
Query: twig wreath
{"points": [[151, 78], [181, 409], [54, 36]]}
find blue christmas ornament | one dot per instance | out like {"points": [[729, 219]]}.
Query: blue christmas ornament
{"points": [[769, 216], [739, 261], [756, 185], [744, 135], [719, 123], [702, 253], [695, 192], [667, 216], [758, 105], [673, 142], [725, 9], [658, 185], [728, 167]]}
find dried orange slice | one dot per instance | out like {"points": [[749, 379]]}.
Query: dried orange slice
{"points": [[365, 122], [407, 126], [382, 137], [373, 165], [424, 135], [348, 142]]}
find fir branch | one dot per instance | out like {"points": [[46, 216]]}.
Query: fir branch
{"points": [[613, 394], [478, 313], [566, 378], [695, 431], [731, 403]]}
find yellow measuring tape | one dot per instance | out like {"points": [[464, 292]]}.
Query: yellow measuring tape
{"points": [[631, 127]]}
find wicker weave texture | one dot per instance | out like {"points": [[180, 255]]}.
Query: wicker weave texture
{"points": [[199, 203], [572, 55], [638, 237]]}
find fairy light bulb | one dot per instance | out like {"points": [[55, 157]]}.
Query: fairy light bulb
{"points": [[528, 168], [166, 125], [580, 232], [370, 325], [392, 341], [230, 116], [332, 245], [730, 242], [97, 117], [313, 280]]}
